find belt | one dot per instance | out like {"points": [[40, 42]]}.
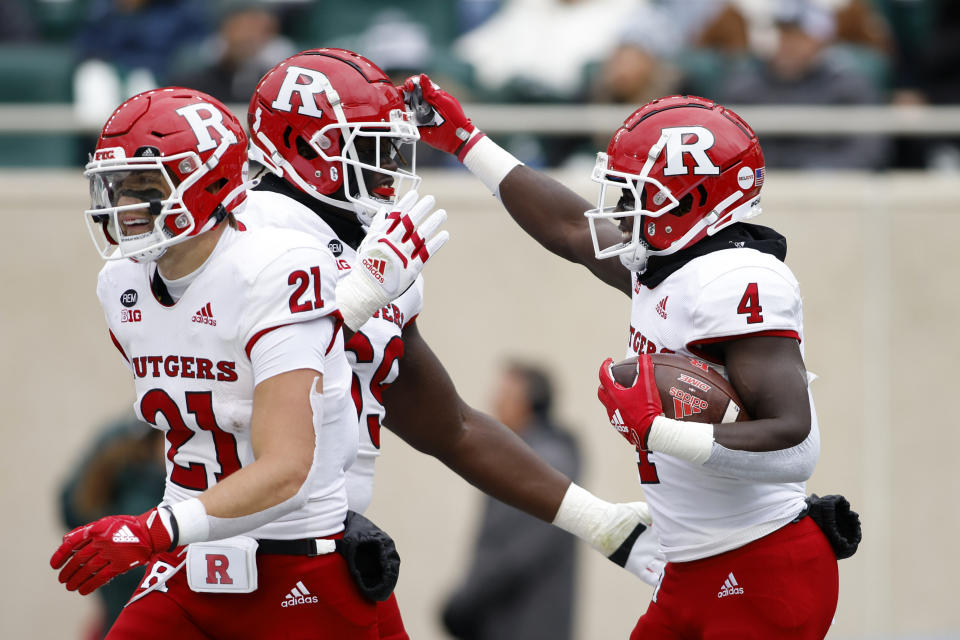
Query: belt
{"points": [[302, 547]]}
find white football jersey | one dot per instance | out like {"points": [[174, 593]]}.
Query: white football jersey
{"points": [[373, 351], [733, 292], [192, 370]]}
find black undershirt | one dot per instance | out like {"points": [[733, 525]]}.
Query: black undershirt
{"points": [[347, 229], [740, 235]]}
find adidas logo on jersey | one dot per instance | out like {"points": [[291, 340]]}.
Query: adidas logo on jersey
{"points": [[123, 534], [662, 308], [376, 268], [205, 316], [730, 587], [299, 595]]}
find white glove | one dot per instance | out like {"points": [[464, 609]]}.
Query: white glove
{"points": [[623, 532], [645, 560], [400, 240]]}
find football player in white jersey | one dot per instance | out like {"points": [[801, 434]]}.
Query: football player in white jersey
{"points": [[333, 130], [234, 341], [677, 182]]}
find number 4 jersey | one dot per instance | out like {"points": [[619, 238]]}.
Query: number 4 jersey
{"points": [[719, 296], [373, 352], [192, 366]]}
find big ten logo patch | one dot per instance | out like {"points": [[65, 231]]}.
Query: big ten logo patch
{"points": [[130, 315]]}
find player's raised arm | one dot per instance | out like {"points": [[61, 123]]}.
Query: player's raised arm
{"points": [[495, 460], [547, 210]]}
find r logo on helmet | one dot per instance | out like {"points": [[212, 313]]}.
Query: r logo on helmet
{"points": [[702, 138], [318, 83], [201, 125]]}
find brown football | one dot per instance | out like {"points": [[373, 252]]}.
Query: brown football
{"points": [[689, 389]]}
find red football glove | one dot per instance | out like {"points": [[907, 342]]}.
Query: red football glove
{"points": [[440, 118], [102, 550], [631, 409]]}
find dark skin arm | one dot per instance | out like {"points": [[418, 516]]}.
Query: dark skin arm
{"points": [[767, 372], [424, 409], [552, 214], [769, 376]]}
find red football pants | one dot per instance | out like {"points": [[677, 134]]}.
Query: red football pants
{"points": [[389, 621], [331, 609], [783, 586]]}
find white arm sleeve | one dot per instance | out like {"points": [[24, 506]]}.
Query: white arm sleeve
{"points": [[795, 464]]}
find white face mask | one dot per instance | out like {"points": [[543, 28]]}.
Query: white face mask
{"points": [[131, 201]]}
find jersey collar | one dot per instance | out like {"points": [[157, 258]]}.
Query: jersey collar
{"points": [[740, 235]]}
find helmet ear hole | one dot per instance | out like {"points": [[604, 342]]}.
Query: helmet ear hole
{"points": [[702, 190], [686, 204], [214, 187], [305, 150]]}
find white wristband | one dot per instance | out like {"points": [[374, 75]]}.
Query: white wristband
{"points": [[490, 162], [358, 299], [190, 522], [692, 441], [601, 524]]}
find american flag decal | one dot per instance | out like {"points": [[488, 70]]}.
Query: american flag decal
{"points": [[758, 176]]}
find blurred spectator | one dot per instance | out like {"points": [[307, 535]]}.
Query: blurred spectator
{"points": [[803, 70], [859, 23], [658, 44], [538, 49], [542, 51], [229, 63], [398, 44], [520, 585], [472, 13], [938, 80], [126, 46], [16, 22], [122, 472]]}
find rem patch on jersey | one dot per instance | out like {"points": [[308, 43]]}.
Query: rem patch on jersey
{"points": [[129, 297], [336, 248]]}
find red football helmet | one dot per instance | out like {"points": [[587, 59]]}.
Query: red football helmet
{"points": [[176, 154], [683, 168], [330, 121]]}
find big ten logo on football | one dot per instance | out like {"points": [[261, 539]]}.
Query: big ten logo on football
{"points": [[130, 315]]}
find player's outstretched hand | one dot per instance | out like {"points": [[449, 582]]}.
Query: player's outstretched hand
{"points": [[631, 409], [440, 118], [640, 555], [400, 240], [93, 554]]}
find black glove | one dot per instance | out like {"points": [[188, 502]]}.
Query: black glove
{"points": [[839, 524], [371, 556]]}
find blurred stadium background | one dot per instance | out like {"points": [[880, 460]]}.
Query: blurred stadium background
{"points": [[856, 103]]}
